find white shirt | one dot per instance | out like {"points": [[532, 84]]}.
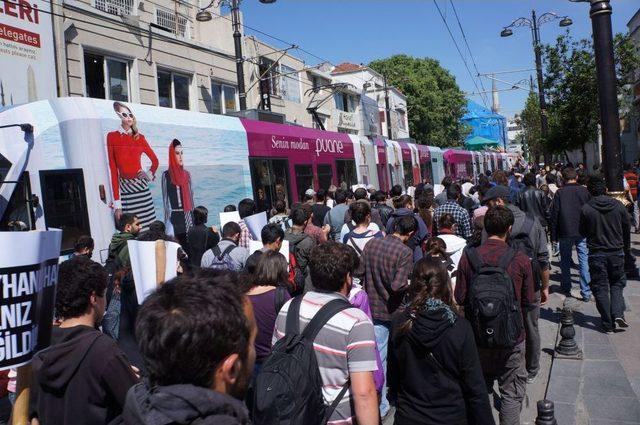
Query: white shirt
{"points": [[345, 229]]}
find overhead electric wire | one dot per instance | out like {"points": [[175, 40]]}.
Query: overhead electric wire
{"points": [[455, 43], [464, 37]]}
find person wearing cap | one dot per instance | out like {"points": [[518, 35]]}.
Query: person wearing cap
{"points": [[499, 195], [310, 196]]}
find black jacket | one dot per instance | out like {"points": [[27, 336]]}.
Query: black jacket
{"points": [[449, 391], [82, 378], [181, 405], [565, 211], [200, 239], [604, 221], [534, 202], [384, 211]]}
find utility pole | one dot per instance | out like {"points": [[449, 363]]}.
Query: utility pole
{"points": [[600, 14], [387, 107], [544, 125], [237, 43]]}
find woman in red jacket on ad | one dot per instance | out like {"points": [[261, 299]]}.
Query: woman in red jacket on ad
{"points": [[129, 182]]}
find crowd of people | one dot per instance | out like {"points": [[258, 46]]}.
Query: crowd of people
{"points": [[410, 304]]}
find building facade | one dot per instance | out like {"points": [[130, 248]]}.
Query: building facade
{"points": [[372, 88], [630, 122], [148, 52]]}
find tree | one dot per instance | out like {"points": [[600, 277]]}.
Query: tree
{"points": [[572, 89], [531, 128], [435, 101]]}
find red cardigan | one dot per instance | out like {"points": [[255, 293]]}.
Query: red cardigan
{"points": [[124, 158]]}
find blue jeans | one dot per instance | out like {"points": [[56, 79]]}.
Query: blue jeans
{"points": [[381, 330], [566, 247]]}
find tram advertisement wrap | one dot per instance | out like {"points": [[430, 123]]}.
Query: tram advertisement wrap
{"points": [[28, 278]]}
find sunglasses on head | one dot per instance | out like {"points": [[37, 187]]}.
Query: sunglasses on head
{"points": [[126, 114]]}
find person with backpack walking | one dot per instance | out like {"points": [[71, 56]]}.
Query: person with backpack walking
{"points": [[404, 208], [565, 219], [361, 233], [451, 206], [379, 204], [200, 237], [495, 286], [434, 370], [300, 246], [387, 263], [528, 236], [227, 255], [324, 352], [603, 222], [267, 291]]}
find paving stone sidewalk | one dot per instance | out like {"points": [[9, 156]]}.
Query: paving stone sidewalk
{"points": [[604, 387]]}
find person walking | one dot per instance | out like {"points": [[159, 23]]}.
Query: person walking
{"points": [[460, 215], [532, 201], [565, 219], [200, 237], [387, 264], [603, 222], [335, 217], [434, 371], [404, 208], [497, 274]]}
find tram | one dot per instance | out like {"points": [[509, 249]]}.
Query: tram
{"points": [[62, 174]]}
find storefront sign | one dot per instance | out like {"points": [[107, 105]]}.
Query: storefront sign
{"points": [[347, 120], [26, 52]]}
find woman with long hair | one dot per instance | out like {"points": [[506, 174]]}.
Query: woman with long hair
{"points": [[129, 182], [177, 195], [267, 291], [434, 371]]}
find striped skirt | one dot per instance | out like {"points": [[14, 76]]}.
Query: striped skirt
{"points": [[136, 199]]}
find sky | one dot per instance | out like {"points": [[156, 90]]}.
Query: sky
{"points": [[360, 31]]}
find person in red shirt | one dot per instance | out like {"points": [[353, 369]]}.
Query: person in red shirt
{"points": [[506, 365], [129, 182], [177, 195]]}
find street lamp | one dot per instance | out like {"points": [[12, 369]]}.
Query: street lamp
{"points": [[204, 15], [535, 23]]}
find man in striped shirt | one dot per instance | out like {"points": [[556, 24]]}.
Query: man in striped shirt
{"points": [[345, 346]]}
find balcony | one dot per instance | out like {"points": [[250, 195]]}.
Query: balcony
{"points": [[172, 22], [116, 7]]}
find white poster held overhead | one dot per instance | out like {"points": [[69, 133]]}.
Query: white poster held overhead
{"points": [[27, 65], [255, 223], [152, 263], [257, 246], [28, 276], [226, 217]]}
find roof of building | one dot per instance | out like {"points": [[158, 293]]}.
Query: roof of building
{"points": [[345, 67]]}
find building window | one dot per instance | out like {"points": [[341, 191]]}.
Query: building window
{"points": [[269, 83], [223, 98], [290, 83], [323, 120], [402, 123], [116, 7], [173, 22], [345, 102], [173, 90], [106, 78]]}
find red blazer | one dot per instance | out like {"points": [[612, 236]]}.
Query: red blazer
{"points": [[124, 154]]}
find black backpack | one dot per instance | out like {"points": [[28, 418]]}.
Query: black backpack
{"points": [[521, 242], [288, 389], [492, 306]]}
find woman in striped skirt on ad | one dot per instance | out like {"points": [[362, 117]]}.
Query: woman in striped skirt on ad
{"points": [[129, 182]]}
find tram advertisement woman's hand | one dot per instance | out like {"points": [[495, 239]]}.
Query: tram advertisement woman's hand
{"points": [[118, 213]]}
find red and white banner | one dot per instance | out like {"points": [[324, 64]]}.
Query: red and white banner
{"points": [[27, 64]]}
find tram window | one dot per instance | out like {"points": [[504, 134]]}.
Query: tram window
{"points": [[346, 172], [426, 172], [408, 173], [65, 205], [469, 166], [18, 215], [364, 172], [304, 179], [270, 178], [325, 176]]}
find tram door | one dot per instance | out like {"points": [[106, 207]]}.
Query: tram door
{"points": [[270, 180]]}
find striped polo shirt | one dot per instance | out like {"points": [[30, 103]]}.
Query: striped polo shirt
{"points": [[346, 344]]}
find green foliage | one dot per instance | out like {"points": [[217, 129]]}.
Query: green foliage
{"points": [[571, 86], [532, 130], [435, 102]]}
